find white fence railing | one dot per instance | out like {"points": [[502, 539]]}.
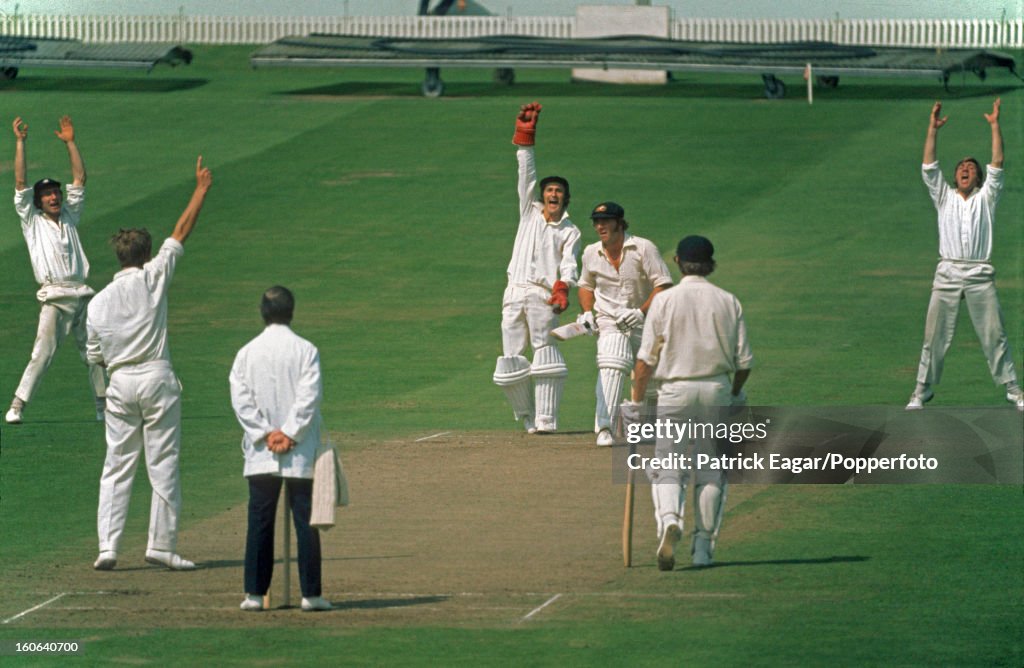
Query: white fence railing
{"points": [[184, 29], [927, 33]]}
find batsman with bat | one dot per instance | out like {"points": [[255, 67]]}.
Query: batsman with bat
{"points": [[540, 273], [695, 345], [621, 275]]}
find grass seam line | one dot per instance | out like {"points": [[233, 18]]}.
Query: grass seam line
{"points": [[540, 607], [34, 608]]}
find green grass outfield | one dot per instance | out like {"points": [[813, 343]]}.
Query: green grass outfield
{"points": [[392, 217]]}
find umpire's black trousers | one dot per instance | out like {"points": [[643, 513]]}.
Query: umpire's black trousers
{"points": [[264, 490]]}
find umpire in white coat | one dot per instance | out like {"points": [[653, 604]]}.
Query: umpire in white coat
{"points": [[276, 392]]}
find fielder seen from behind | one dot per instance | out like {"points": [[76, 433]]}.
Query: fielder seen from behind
{"points": [[540, 273], [621, 274], [276, 392], [694, 339], [49, 223], [966, 214], [128, 334]]}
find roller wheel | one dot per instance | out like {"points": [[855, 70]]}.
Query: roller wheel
{"points": [[774, 89], [432, 84]]}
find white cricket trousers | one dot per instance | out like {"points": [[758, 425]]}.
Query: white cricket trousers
{"points": [[57, 319], [526, 319], [143, 415], [974, 283], [668, 487]]}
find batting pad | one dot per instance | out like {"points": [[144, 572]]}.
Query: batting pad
{"points": [[548, 362], [614, 352], [549, 371], [614, 361], [512, 375]]}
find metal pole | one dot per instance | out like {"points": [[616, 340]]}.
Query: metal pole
{"points": [[809, 73]]}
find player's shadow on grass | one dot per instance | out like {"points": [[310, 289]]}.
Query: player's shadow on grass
{"points": [[238, 563], [64, 84], [782, 562], [681, 88], [384, 603]]}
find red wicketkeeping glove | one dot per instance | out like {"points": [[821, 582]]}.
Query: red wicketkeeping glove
{"points": [[526, 124], [559, 296]]}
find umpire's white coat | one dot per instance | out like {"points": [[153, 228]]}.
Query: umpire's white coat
{"points": [[275, 384]]}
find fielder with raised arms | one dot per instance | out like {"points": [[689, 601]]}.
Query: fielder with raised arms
{"points": [[128, 334], [49, 223], [966, 214], [542, 269], [621, 274]]}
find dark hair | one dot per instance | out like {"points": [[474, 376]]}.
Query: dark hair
{"points": [[41, 187], [979, 175], [547, 180], [977, 165], [697, 268], [134, 247], [277, 306]]}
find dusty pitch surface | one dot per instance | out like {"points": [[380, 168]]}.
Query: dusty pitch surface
{"points": [[477, 529]]}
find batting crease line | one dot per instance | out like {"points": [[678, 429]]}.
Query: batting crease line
{"points": [[33, 609], [541, 607], [427, 438]]}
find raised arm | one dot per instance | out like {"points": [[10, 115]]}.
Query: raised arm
{"points": [[526, 124], [524, 139], [67, 135], [187, 221], [997, 135], [934, 123], [20, 135]]}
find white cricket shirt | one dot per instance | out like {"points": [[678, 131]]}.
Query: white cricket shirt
{"points": [[54, 248], [641, 269], [127, 320], [543, 252], [695, 330], [965, 226]]}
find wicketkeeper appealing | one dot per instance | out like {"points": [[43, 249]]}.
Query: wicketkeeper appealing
{"points": [[542, 269], [694, 339], [966, 216], [50, 226], [621, 274]]}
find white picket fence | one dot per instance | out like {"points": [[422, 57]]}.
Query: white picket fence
{"points": [[184, 29]]}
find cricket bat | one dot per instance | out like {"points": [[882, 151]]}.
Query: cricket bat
{"points": [[627, 523], [571, 331]]}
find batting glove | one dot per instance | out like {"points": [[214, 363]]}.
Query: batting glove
{"points": [[559, 296], [630, 319], [587, 320], [526, 124]]}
